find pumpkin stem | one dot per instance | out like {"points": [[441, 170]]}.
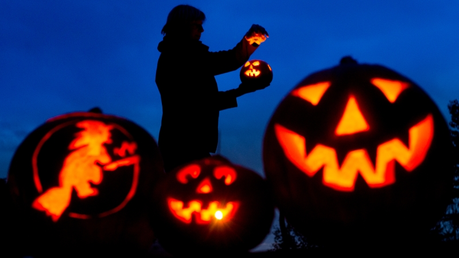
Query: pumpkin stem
{"points": [[96, 110], [347, 60]]}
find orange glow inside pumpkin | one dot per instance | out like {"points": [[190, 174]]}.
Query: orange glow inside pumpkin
{"points": [[214, 209], [252, 72], [357, 161], [352, 120], [84, 167], [256, 38], [201, 215], [218, 215], [391, 89], [130, 147], [312, 93], [205, 186]]}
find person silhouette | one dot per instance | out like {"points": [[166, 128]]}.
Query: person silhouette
{"points": [[190, 98]]}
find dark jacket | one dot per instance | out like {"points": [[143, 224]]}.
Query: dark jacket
{"points": [[190, 97]]}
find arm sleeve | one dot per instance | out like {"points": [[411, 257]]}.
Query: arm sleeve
{"points": [[226, 61], [226, 99]]}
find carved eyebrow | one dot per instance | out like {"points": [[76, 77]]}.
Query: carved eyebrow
{"points": [[312, 92], [390, 88]]}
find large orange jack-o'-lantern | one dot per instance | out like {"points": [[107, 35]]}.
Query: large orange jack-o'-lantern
{"points": [[211, 206], [356, 152], [256, 72], [85, 180]]}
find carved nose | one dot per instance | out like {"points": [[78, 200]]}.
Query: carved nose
{"points": [[352, 120], [205, 186]]}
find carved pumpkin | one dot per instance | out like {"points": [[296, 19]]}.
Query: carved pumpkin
{"points": [[357, 152], [84, 181], [256, 72], [212, 206], [10, 236]]}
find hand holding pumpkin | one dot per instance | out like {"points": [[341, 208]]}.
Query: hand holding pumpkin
{"points": [[256, 35], [255, 75], [245, 88]]}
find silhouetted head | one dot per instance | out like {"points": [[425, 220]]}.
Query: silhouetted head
{"points": [[184, 21]]}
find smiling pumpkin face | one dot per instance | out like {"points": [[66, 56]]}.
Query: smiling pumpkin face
{"points": [[195, 209], [211, 206], [354, 148], [256, 71], [342, 176]]}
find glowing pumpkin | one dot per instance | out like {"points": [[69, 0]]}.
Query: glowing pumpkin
{"points": [[357, 152], [212, 206], [256, 72], [84, 179]]}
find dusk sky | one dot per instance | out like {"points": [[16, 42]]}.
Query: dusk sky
{"points": [[61, 56]]}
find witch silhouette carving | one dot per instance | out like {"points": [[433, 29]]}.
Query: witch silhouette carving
{"points": [[83, 169]]}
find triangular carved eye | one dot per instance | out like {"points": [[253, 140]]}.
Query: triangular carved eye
{"points": [[313, 92], [390, 88], [352, 120]]}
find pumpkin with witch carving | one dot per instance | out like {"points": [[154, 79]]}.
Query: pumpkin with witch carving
{"points": [[358, 152], [83, 182], [212, 206]]}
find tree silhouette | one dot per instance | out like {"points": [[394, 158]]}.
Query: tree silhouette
{"points": [[287, 238], [448, 226]]}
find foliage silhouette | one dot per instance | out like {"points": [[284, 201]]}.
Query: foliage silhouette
{"points": [[287, 238], [448, 227]]}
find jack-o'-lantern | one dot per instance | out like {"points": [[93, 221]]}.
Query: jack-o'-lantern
{"points": [[256, 72], [212, 205], [84, 181], [11, 238], [358, 154]]}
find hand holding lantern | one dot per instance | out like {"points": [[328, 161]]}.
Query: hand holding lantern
{"points": [[256, 35], [255, 75]]}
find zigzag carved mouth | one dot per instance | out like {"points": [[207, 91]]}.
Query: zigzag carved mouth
{"points": [[358, 161], [202, 216]]}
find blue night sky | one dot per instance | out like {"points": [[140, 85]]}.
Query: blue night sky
{"points": [[60, 56]]}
